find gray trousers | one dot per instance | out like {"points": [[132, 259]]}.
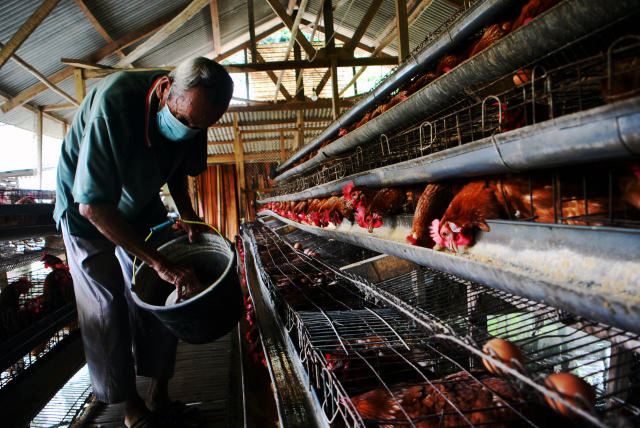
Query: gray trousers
{"points": [[112, 326]]}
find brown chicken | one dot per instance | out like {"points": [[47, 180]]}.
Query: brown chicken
{"points": [[57, 289], [51, 261], [491, 35], [510, 198], [427, 407], [532, 9], [432, 204], [10, 295], [386, 201], [420, 83]]}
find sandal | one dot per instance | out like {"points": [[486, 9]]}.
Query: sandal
{"points": [[148, 420], [178, 414]]}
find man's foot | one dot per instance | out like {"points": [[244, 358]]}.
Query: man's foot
{"points": [[136, 413], [176, 413]]}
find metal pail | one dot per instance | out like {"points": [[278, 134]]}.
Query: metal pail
{"points": [[210, 314]]}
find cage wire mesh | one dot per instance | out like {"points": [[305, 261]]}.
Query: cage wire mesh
{"points": [[360, 352]]}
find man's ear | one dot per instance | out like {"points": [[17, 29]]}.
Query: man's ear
{"points": [[162, 88]]}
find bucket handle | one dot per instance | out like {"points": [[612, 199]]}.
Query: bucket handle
{"points": [[161, 226]]}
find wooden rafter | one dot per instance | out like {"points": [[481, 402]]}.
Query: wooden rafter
{"points": [[270, 122], [248, 157], [281, 12], [362, 27], [403, 29], [53, 107], [389, 38], [100, 54], [247, 43], [94, 21], [350, 44], [289, 106], [257, 67], [25, 31], [215, 27], [252, 32], [160, 35], [247, 141], [33, 109], [41, 77], [294, 33]]}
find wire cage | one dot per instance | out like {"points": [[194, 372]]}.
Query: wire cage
{"points": [[595, 70], [45, 315], [406, 350], [27, 196]]}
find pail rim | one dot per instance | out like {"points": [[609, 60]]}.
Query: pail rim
{"points": [[145, 305]]}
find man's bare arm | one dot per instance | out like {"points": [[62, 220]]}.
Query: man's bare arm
{"points": [[110, 222], [179, 189]]}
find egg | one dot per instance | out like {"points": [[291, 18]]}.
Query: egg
{"points": [[505, 351], [573, 389], [297, 246]]}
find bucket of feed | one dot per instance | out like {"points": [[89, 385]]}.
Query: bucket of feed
{"points": [[212, 312]]}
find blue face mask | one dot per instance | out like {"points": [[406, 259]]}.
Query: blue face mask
{"points": [[171, 128]]}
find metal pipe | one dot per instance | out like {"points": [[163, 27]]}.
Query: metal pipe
{"points": [[474, 19], [602, 133], [540, 36]]}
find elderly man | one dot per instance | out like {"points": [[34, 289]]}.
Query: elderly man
{"points": [[134, 132]]}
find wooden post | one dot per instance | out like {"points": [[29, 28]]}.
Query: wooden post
{"points": [[402, 22], [81, 89], [252, 32], [246, 75], [299, 140], [64, 129], [239, 152], [39, 146], [329, 39], [219, 195], [335, 97], [299, 89], [282, 146]]}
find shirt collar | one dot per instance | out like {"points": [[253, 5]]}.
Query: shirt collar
{"points": [[151, 111]]}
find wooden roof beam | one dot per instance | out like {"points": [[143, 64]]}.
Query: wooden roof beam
{"points": [[160, 35], [402, 23], [389, 38], [215, 27], [25, 31], [41, 77], [99, 55], [290, 106], [94, 21], [248, 157], [281, 12], [271, 122], [264, 66], [362, 27], [294, 33]]}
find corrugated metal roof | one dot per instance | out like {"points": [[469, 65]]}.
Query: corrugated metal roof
{"points": [[67, 32]]}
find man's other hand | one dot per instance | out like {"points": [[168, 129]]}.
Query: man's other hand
{"points": [[182, 277], [193, 230]]}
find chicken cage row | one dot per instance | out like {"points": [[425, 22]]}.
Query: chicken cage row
{"points": [[27, 196], [37, 312], [420, 330], [590, 72]]}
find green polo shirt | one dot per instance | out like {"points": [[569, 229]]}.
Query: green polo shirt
{"points": [[114, 154]]}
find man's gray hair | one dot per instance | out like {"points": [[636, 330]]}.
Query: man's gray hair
{"points": [[204, 72]]}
